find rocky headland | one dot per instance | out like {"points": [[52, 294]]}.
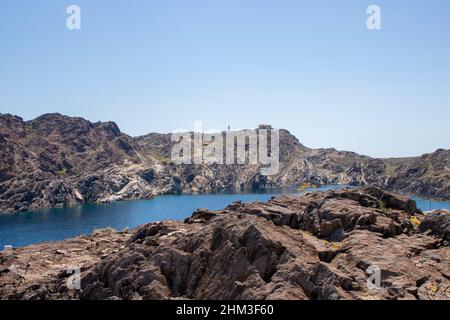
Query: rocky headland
{"points": [[323, 245], [56, 160]]}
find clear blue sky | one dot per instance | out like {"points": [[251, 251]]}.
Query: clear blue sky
{"points": [[309, 66]]}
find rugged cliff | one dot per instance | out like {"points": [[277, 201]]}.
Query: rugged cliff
{"points": [[318, 246], [55, 160]]}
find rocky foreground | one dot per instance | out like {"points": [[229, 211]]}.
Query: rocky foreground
{"points": [[318, 246]]}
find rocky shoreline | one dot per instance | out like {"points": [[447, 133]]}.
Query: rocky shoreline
{"points": [[55, 161], [321, 245]]}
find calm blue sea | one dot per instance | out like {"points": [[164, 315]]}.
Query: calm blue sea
{"points": [[61, 223]]}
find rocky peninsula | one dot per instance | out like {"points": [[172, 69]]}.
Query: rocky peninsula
{"points": [[56, 160]]}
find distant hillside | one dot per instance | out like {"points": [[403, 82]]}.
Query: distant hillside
{"points": [[427, 175], [55, 160]]}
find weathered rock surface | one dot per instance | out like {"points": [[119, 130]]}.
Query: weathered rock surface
{"points": [[38, 271], [55, 160], [317, 246], [437, 224]]}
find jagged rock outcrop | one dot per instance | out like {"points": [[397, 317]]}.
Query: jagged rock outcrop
{"points": [[55, 160], [35, 272], [318, 246], [437, 224]]}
